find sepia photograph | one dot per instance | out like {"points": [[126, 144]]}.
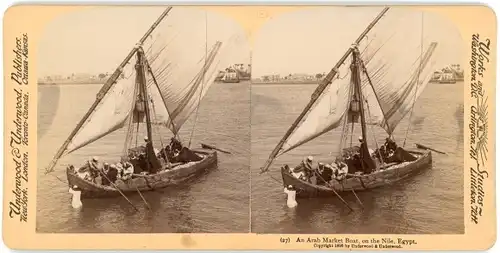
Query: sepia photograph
{"points": [[143, 122], [357, 123], [249, 127]]}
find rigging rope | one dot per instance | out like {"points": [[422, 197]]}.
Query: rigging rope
{"points": [[158, 129], [129, 137], [62, 181], [275, 179], [346, 122], [136, 134], [202, 81], [343, 137], [373, 132], [418, 77]]}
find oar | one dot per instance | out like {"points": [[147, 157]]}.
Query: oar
{"points": [[143, 199], [352, 175], [104, 175], [420, 146], [356, 195], [331, 188], [214, 148]]}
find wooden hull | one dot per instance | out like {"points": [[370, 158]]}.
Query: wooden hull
{"points": [[160, 180], [364, 182]]}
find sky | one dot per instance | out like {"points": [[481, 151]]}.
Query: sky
{"points": [[312, 40], [97, 40], [309, 41]]}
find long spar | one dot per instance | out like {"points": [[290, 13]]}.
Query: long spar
{"points": [[105, 88], [321, 87]]}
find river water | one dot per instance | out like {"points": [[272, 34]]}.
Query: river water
{"points": [[429, 203], [217, 201], [249, 121]]}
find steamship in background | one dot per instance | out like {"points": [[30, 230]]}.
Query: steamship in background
{"points": [[450, 74], [235, 73]]}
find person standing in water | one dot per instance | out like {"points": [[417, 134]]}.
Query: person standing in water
{"points": [[291, 194], [76, 201]]}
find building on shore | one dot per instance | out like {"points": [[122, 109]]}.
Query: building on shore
{"points": [[77, 78]]}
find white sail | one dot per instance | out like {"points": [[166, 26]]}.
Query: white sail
{"points": [[110, 114], [178, 51], [326, 114], [395, 57], [392, 53]]}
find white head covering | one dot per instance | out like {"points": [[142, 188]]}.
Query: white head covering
{"points": [[308, 160], [360, 138], [146, 138], [95, 158]]}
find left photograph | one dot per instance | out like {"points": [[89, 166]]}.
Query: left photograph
{"points": [[143, 122]]}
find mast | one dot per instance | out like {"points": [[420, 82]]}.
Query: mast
{"points": [[321, 87], [141, 80], [105, 88], [359, 98]]}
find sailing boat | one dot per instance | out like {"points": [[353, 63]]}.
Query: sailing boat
{"points": [[384, 79], [164, 84]]}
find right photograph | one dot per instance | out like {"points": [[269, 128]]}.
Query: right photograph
{"points": [[357, 122]]}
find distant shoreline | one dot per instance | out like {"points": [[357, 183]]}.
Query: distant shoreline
{"points": [[286, 82], [64, 82]]}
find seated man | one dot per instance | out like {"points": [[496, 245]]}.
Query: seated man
{"points": [[341, 170], [135, 163], [325, 172], [142, 162], [400, 155], [128, 170], [354, 164], [175, 146], [119, 169], [91, 168], [185, 155], [390, 145], [306, 168], [111, 175], [171, 151]]}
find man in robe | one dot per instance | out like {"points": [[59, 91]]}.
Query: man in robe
{"points": [[341, 169], [367, 163], [175, 145], [111, 175], [326, 171], [92, 167], [148, 159], [177, 153], [305, 167], [128, 170]]}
